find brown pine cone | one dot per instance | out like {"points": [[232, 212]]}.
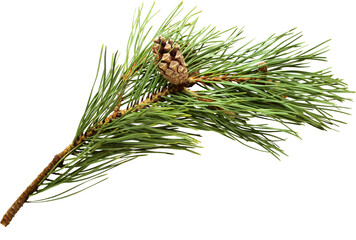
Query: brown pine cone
{"points": [[170, 61]]}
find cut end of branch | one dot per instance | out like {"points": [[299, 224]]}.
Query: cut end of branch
{"points": [[9, 215], [4, 223]]}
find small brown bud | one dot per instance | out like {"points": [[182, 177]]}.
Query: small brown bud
{"points": [[263, 67]]}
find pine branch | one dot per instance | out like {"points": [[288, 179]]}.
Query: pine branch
{"points": [[185, 80]]}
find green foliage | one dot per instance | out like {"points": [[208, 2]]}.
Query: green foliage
{"points": [[290, 93]]}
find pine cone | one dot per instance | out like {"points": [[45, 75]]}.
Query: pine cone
{"points": [[170, 61]]}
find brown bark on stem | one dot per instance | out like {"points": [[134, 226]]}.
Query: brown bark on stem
{"points": [[32, 188]]}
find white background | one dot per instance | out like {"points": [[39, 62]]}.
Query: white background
{"points": [[48, 57]]}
